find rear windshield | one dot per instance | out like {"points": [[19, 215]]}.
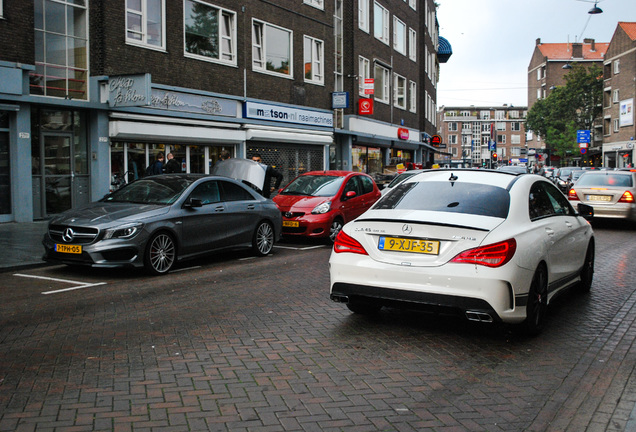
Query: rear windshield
{"points": [[468, 198], [610, 179]]}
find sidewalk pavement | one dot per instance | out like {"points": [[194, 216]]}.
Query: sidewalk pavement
{"points": [[21, 245]]}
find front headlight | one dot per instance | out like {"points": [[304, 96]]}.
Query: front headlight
{"points": [[124, 231], [322, 208]]}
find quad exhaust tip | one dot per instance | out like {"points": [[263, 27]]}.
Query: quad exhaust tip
{"points": [[479, 316]]}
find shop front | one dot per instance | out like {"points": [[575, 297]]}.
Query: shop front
{"points": [[619, 155]]}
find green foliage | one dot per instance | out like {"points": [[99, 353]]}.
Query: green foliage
{"points": [[568, 108]]}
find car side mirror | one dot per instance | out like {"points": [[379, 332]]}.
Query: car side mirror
{"points": [[585, 211], [193, 202], [350, 194]]}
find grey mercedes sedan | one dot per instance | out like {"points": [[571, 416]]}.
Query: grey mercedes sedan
{"points": [[156, 221]]}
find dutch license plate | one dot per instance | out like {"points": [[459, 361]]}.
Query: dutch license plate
{"points": [[398, 244], [599, 198], [70, 249], [291, 224]]}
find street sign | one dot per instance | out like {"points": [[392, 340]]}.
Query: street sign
{"points": [[492, 145], [369, 86], [583, 150], [583, 136]]}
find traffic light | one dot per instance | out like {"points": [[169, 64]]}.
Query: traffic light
{"points": [[493, 156]]}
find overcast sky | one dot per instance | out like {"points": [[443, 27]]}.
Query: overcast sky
{"points": [[493, 41]]}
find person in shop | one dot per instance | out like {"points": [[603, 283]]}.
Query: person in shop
{"points": [[269, 173], [225, 155], [156, 167], [172, 166]]}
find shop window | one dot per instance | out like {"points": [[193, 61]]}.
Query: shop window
{"points": [[271, 49], [210, 32], [61, 50], [314, 65], [145, 23]]}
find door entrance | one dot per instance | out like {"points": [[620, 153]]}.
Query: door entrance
{"points": [[64, 182]]}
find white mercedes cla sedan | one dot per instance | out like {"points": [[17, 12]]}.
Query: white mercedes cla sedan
{"points": [[496, 246]]}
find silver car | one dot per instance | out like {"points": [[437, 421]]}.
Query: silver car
{"points": [[611, 193], [158, 220]]}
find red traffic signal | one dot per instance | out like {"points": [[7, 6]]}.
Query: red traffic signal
{"points": [[493, 156]]}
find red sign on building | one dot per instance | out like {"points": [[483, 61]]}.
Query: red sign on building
{"points": [[403, 133], [436, 140], [365, 106]]}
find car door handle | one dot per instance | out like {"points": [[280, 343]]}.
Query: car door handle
{"points": [[219, 209], [549, 231], [251, 207], [568, 224]]}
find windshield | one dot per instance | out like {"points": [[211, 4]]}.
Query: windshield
{"points": [[153, 190], [314, 185], [613, 179], [468, 198], [401, 177]]}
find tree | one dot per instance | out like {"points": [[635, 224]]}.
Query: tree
{"points": [[567, 109]]}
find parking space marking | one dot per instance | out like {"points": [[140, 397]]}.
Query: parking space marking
{"points": [[300, 248], [81, 285]]}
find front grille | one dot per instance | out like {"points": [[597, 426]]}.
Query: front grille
{"points": [[291, 215], [81, 235]]}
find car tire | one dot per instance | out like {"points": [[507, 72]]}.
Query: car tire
{"points": [[537, 305], [587, 272], [364, 308], [334, 229], [263, 240], [161, 254]]}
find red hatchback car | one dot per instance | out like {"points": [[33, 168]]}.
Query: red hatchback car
{"points": [[319, 203]]}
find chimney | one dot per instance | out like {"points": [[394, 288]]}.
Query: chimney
{"points": [[577, 50], [538, 41]]}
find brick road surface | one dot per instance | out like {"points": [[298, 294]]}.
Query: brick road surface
{"points": [[257, 345]]}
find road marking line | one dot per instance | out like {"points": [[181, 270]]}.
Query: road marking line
{"points": [[80, 286], [185, 269], [73, 288], [300, 248]]}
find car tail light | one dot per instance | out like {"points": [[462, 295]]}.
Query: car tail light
{"points": [[346, 243], [572, 195], [494, 255], [627, 197]]}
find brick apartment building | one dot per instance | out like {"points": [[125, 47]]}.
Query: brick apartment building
{"points": [[91, 91], [549, 64], [619, 73], [468, 132]]}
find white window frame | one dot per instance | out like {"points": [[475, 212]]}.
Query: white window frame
{"points": [[515, 139], [485, 115], [143, 31], [364, 71], [452, 139], [227, 57], [316, 57], [1, 9], [363, 15], [500, 115], [399, 91], [399, 35], [380, 22], [318, 4], [539, 74], [616, 125], [452, 126], [615, 96], [382, 84], [501, 139], [413, 4], [259, 28], [515, 126], [412, 44], [412, 96], [513, 114], [617, 66], [501, 126]]}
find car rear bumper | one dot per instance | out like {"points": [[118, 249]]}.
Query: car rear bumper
{"points": [[618, 211]]}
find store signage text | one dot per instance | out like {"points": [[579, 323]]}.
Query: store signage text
{"points": [[277, 113], [403, 133], [186, 102], [365, 106], [129, 90]]}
